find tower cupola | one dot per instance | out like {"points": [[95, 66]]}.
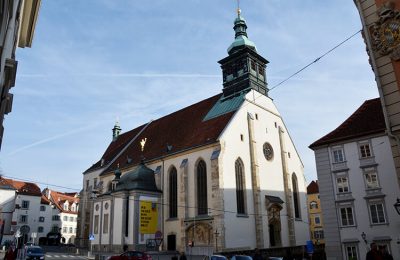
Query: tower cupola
{"points": [[244, 68], [241, 38], [116, 131]]}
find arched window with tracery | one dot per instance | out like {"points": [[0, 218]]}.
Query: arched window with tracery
{"points": [[202, 207], [296, 197], [173, 193], [240, 187]]}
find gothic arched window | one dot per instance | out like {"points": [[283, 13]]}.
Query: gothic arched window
{"points": [[202, 208], [296, 198], [173, 193], [240, 187]]}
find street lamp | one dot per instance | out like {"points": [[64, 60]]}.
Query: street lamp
{"points": [[397, 206], [216, 240], [364, 237]]}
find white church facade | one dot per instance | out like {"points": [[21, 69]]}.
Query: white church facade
{"points": [[222, 174]]}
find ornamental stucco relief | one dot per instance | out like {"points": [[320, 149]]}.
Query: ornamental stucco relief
{"points": [[385, 33]]}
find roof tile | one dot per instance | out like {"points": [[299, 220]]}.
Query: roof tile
{"points": [[367, 119]]}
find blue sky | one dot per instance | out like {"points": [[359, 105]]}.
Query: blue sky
{"points": [[94, 61]]}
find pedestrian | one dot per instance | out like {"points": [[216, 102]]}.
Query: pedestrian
{"points": [[125, 248], [384, 253], [182, 256], [257, 255], [9, 254], [374, 254]]}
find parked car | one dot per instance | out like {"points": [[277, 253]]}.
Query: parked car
{"points": [[241, 257], [131, 255], [275, 258], [218, 257], [34, 252]]}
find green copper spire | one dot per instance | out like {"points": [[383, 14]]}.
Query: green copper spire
{"points": [[241, 39], [116, 131]]}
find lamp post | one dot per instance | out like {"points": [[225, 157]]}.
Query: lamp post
{"points": [[364, 237], [397, 206], [216, 240]]}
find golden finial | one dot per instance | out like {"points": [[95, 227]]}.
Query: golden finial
{"points": [[142, 143], [238, 7]]}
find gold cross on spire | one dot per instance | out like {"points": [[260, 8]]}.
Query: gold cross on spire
{"points": [[142, 143]]}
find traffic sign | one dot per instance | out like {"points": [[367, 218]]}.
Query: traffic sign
{"points": [[91, 237], [158, 234]]}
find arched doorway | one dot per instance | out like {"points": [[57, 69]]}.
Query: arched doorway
{"points": [[199, 238], [274, 225]]}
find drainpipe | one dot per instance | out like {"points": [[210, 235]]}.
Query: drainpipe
{"points": [[378, 82]]}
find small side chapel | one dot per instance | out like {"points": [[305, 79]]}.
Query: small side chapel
{"points": [[221, 174]]}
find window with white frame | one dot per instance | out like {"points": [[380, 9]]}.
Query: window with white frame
{"points": [[25, 204], [55, 228], [105, 223], [66, 206], [96, 224], [338, 155], [65, 218], [64, 229], [377, 212], [23, 219], [365, 150], [71, 219], [371, 178], [351, 252], [70, 229], [342, 184], [346, 216]]}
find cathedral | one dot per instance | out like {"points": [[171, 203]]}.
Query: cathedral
{"points": [[219, 175]]}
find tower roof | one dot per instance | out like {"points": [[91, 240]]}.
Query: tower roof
{"points": [[241, 39]]}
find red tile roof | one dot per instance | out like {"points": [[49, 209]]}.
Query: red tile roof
{"points": [[181, 130], [23, 188], [58, 199], [368, 119], [313, 188], [115, 147], [44, 200]]}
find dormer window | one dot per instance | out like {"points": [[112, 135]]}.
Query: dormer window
{"points": [[66, 206]]}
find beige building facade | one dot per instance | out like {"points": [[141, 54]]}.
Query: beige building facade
{"points": [[381, 22], [17, 25]]}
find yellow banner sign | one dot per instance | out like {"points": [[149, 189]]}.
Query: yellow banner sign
{"points": [[148, 217]]}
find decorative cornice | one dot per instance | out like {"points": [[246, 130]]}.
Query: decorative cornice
{"points": [[385, 33]]}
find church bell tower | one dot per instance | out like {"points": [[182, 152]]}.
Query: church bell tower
{"points": [[244, 68]]}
